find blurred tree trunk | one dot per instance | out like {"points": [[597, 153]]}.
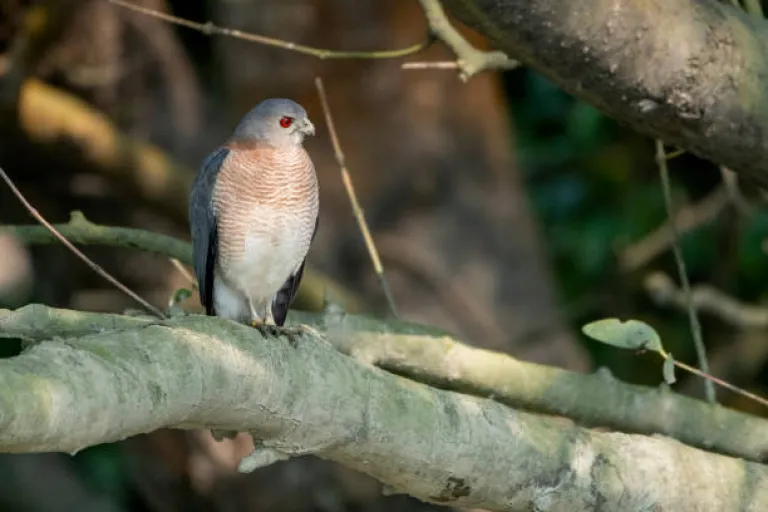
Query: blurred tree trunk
{"points": [[431, 160]]}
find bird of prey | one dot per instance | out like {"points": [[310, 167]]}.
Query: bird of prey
{"points": [[253, 214]]}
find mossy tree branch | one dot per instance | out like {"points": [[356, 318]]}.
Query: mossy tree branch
{"points": [[296, 394], [432, 357], [315, 287]]}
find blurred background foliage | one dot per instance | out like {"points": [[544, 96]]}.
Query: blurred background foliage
{"points": [[595, 187], [502, 208]]}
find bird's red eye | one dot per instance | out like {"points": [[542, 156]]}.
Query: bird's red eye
{"points": [[286, 121]]}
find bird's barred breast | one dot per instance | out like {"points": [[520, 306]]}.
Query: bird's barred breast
{"points": [[266, 202]]}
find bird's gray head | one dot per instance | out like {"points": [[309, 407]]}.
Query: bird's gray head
{"points": [[278, 121]]}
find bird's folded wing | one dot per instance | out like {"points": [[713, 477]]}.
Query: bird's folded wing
{"points": [[204, 226]]}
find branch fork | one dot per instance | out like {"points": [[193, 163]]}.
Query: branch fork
{"points": [[470, 61]]}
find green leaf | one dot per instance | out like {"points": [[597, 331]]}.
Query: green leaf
{"points": [[632, 334], [669, 370], [179, 295]]}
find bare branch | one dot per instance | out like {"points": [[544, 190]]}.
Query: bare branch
{"points": [[431, 65], [470, 60], [184, 272], [720, 382], [297, 395], [321, 53], [85, 259], [432, 357], [356, 210], [707, 300], [693, 317], [80, 230]]}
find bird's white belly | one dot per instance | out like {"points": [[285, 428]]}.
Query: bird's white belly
{"points": [[269, 259]]}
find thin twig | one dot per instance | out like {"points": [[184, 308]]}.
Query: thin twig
{"points": [[710, 379], [451, 64], [676, 153], [96, 268], [741, 358], [358, 212], [183, 271], [321, 53], [731, 183], [701, 351]]}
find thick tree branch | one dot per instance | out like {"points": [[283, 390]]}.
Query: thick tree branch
{"points": [[430, 356], [297, 395], [80, 230], [690, 72]]}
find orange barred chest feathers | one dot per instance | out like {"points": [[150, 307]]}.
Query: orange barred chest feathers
{"points": [[266, 204]]}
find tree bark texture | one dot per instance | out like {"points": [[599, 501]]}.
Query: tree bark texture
{"points": [[691, 72], [296, 395]]}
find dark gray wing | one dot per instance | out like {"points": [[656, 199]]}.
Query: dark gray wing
{"points": [[287, 292], [204, 227]]}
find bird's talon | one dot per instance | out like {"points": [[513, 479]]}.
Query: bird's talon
{"points": [[268, 329], [293, 333], [297, 331]]}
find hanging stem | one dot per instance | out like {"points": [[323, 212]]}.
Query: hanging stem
{"points": [[701, 351]]}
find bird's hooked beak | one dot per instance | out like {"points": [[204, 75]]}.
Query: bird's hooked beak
{"points": [[307, 128]]}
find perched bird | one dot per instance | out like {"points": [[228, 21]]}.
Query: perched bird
{"points": [[253, 214]]}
